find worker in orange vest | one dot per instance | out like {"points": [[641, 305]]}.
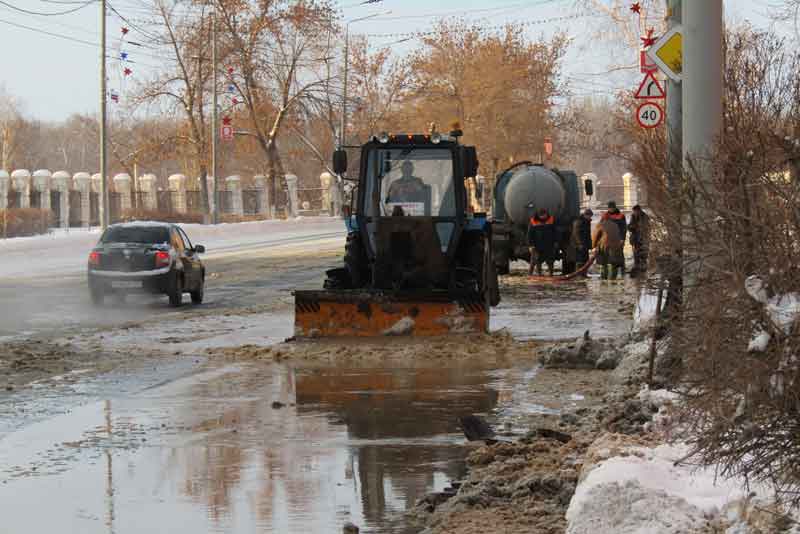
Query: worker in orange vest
{"points": [[542, 238]]}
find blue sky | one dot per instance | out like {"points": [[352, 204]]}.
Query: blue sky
{"points": [[55, 77]]}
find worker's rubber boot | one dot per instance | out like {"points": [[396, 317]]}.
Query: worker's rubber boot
{"points": [[604, 273], [550, 269], [614, 272], [539, 269]]}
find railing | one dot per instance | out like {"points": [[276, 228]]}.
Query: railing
{"points": [[252, 201]]}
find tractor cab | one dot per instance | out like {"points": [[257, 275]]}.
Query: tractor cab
{"points": [[410, 208]]}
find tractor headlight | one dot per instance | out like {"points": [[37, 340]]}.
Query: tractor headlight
{"points": [[383, 138], [436, 138]]}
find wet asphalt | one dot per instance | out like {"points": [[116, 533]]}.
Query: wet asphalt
{"points": [[189, 445]]}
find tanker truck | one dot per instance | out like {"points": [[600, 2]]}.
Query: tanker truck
{"points": [[519, 192]]}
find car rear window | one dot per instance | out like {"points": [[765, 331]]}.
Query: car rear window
{"points": [[136, 234]]}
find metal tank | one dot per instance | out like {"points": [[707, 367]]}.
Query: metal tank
{"points": [[519, 192]]}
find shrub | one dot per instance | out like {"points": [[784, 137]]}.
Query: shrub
{"points": [[18, 222]]}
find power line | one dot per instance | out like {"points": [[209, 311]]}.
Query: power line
{"points": [[493, 27], [28, 12]]}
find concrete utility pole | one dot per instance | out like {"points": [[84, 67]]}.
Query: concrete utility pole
{"points": [[212, 196], [702, 76], [674, 163], [702, 116], [674, 107], [104, 215]]}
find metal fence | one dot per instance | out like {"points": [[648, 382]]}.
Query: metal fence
{"points": [[74, 208], [139, 199], [114, 207], [225, 201], [164, 201], [35, 199], [194, 201], [252, 203], [55, 208], [94, 209]]}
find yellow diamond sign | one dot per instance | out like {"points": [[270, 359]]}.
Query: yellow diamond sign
{"points": [[667, 53]]}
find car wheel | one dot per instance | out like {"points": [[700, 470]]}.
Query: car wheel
{"points": [[197, 295], [175, 290]]}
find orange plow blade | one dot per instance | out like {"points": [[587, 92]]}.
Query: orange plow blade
{"points": [[322, 314]]}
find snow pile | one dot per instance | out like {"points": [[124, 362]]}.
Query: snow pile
{"points": [[782, 311], [642, 490]]}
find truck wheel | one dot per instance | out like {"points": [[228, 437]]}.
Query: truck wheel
{"points": [[355, 261], [175, 290], [489, 283]]}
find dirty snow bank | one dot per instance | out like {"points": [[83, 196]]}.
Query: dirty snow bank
{"points": [[66, 252], [644, 490], [637, 485]]}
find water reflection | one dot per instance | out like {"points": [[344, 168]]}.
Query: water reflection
{"points": [[402, 425], [209, 453]]}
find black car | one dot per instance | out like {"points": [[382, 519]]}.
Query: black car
{"points": [[149, 257]]}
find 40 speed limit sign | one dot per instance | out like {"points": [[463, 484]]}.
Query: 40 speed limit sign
{"points": [[649, 115]]}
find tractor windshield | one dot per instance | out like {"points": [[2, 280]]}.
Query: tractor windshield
{"points": [[411, 182]]}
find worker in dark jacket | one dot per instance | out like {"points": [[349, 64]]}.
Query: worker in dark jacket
{"points": [[618, 217], [609, 245], [640, 239], [581, 239], [542, 238]]}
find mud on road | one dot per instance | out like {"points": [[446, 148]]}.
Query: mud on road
{"points": [[244, 431]]}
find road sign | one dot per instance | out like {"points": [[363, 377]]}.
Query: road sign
{"points": [[650, 88], [548, 146], [649, 115], [667, 53], [645, 63], [226, 132]]}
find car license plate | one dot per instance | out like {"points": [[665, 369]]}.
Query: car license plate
{"points": [[126, 285]]}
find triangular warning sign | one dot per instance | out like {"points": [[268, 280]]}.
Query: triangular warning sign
{"points": [[650, 88]]}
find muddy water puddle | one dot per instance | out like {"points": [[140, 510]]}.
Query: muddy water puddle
{"points": [[549, 312], [213, 453]]}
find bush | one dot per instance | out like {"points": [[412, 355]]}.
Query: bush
{"points": [[736, 225], [18, 222]]}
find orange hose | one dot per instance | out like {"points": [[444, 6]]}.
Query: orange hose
{"points": [[566, 277]]}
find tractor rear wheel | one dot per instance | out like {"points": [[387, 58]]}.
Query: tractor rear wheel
{"points": [[355, 261]]}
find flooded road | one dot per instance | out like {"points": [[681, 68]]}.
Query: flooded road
{"points": [[192, 443], [211, 453]]}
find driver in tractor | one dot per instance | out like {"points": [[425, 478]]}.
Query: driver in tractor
{"points": [[408, 188]]}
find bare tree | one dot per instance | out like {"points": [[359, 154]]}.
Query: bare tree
{"points": [[183, 88], [10, 122], [278, 53]]}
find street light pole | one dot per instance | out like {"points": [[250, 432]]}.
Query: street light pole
{"points": [[103, 204], [343, 122], [212, 197]]}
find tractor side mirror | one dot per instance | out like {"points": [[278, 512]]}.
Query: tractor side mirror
{"points": [[588, 188], [340, 161], [469, 160]]}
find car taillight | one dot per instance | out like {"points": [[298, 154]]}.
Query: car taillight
{"points": [[94, 258], [162, 259]]}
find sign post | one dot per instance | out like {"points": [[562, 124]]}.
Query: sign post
{"points": [[226, 132]]}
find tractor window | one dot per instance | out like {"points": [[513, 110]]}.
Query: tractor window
{"points": [[410, 182]]}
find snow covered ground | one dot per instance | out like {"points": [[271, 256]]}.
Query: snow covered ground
{"points": [[65, 252], [629, 488]]}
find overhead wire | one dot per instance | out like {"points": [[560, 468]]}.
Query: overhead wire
{"points": [[42, 14]]}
